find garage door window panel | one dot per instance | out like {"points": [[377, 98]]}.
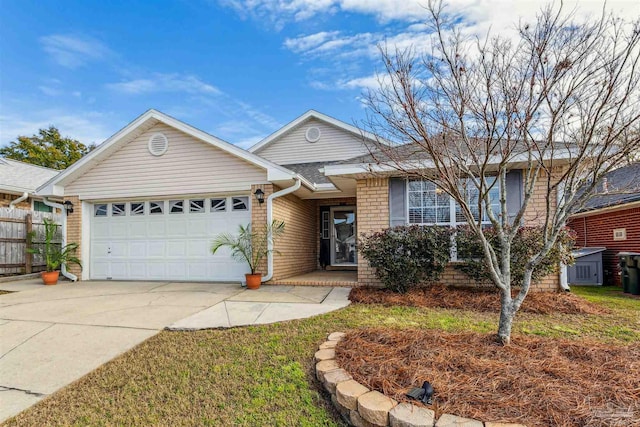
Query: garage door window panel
{"points": [[100, 210], [240, 204], [176, 206], [137, 209], [218, 205], [196, 206], [156, 208], [118, 209]]}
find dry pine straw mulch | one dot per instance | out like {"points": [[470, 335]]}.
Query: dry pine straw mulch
{"points": [[534, 381], [476, 299]]}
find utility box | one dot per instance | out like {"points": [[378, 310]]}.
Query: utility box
{"points": [[588, 269]]}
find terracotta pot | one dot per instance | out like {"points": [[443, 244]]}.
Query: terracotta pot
{"points": [[50, 277], [253, 280]]}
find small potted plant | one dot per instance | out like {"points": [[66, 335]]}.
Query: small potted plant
{"points": [[54, 255], [250, 246]]}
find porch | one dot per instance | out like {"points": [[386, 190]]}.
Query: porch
{"points": [[321, 278]]}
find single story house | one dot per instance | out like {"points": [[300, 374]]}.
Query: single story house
{"points": [[18, 183], [612, 219], [148, 201]]}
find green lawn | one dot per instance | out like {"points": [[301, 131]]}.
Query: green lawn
{"points": [[264, 375]]}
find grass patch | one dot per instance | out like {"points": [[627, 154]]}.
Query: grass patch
{"points": [[263, 375]]}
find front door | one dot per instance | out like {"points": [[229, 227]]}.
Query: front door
{"points": [[343, 236]]}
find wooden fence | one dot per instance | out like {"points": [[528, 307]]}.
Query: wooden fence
{"points": [[15, 228]]}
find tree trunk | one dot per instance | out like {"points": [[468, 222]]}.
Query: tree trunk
{"points": [[507, 313]]}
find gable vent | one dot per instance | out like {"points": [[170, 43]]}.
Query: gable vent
{"points": [[158, 144], [312, 134]]}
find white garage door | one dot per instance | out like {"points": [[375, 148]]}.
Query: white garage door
{"points": [[166, 239]]}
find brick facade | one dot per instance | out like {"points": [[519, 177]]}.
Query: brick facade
{"points": [[296, 248], [74, 233], [597, 230], [259, 215], [372, 215]]}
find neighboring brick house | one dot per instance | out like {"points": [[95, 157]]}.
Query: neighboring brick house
{"points": [[148, 201], [18, 182], [612, 219]]}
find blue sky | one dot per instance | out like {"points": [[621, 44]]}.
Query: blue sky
{"points": [[238, 69]]}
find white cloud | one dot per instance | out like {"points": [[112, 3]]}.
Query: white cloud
{"points": [[165, 83], [278, 12], [74, 51], [249, 141], [87, 127], [370, 82], [308, 42], [352, 54], [500, 14], [50, 91]]}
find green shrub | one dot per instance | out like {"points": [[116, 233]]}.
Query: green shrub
{"points": [[528, 241], [406, 256]]}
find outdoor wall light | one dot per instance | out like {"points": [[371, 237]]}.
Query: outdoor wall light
{"points": [[259, 195], [68, 207]]}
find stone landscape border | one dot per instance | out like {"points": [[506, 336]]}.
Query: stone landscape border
{"points": [[361, 407]]}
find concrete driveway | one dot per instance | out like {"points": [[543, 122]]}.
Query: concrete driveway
{"points": [[51, 336]]}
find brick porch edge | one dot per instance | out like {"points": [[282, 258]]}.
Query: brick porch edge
{"points": [[360, 407]]}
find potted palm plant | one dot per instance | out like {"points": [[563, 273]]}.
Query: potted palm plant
{"points": [[54, 255], [250, 246]]}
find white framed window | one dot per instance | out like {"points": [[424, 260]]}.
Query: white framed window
{"points": [[240, 203], [196, 206], [325, 225], [137, 208], [176, 206], [100, 210], [156, 208], [429, 205], [218, 205], [118, 209]]}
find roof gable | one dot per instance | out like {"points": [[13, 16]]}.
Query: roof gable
{"points": [[317, 119], [55, 186]]}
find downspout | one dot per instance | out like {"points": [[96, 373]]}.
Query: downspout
{"points": [[63, 268], [564, 276], [24, 196], [270, 199]]}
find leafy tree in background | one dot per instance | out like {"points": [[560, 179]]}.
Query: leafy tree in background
{"points": [[48, 148]]}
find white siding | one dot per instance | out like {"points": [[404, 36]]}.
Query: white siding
{"points": [[334, 144], [189, 166]]}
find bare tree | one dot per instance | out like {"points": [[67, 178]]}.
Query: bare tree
{"points": [[561, 102]]}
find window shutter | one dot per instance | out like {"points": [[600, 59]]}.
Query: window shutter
{"points": [[514, 192], [397, 202]]}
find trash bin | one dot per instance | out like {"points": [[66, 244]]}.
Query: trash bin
{"points": [[634, 275], [630, 272], [624, 273]]}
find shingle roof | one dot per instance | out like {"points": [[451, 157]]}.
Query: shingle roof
{"points": [[22, 177], [623, 186], [311, 171]]}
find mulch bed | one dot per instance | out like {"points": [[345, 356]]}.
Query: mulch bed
{"points": [[476, 299], [534, 381]]}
